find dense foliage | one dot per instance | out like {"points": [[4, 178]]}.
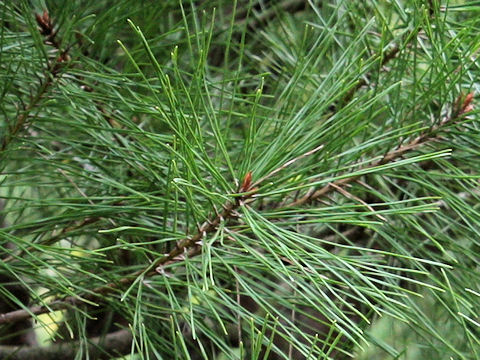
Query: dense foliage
{"points": [[239, 179]]}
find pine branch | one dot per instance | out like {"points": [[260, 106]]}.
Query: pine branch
{"points": [[462, 107], [191, 246], [52, 73], [391, 54], [177, 116], [114, 344]]}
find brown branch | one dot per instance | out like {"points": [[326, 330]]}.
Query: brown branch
{"points": [[46, 28], [51, 73], [465, 105], [22, 118], [189, 246], [102, 347]]}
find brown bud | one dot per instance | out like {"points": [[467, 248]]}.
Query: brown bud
{"points": [[45, 23], [467, 103], [247, 181]]}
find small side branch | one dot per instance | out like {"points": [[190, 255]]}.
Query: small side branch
{"points": [[461, 107], [111, 345], [189, 246], [46, 29]]}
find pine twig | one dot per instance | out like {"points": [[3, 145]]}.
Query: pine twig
{"points": [[461, 107], [117, 343], [189, 246], [46, 28]]}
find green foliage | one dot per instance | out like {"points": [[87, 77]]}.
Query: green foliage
{"points": [[129, 130]]}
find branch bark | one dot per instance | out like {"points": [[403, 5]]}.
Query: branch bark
{"points": [[460, 108], [189, 246], [51, 73], [103, 347]]}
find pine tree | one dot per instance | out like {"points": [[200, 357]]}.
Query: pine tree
{"points": [[239, 179]]}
